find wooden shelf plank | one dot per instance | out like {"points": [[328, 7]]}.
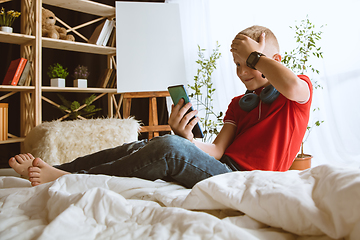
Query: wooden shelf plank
{"points": [[7, 88], [85, 6], [79, 90], [77, 46], [146, 94], [16, 38], [13, 140]]}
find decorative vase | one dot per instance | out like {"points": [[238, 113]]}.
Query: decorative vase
{"points": [[4, 121], [57, 82], [80, 83], [301, 162], [6, 29]]}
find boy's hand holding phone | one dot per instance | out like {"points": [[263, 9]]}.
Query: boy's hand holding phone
{"points": [[182, 119], [179, 119]]}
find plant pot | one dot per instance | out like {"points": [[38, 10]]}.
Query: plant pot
{"points": [[6, 29], [57, 82], [4, 121], [301, 163], [80, 83]]}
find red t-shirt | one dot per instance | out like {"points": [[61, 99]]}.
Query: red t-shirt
{"points": [[268, 137]]}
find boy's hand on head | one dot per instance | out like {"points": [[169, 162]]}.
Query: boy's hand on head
{"points": [[243, 46], [179, 120]]}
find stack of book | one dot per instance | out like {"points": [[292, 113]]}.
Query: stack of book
{"points": [[108, 78], [17, 72], [103, 33]]}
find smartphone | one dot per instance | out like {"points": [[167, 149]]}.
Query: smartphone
{"points": [[178, 92]]}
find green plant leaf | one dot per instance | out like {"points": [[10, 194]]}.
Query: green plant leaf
{"points": [[74, 105], [203, 90], [299, 59], [87, 111]]}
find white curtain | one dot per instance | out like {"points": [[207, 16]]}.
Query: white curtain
{"points": [[337, 140]]}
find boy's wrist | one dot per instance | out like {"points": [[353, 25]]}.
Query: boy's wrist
{"points": [[253, 59]]}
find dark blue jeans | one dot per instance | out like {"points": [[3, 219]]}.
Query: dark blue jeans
{"points": [[169, 157]]}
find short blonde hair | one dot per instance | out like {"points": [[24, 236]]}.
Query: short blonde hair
{"points": [[254, 32]]}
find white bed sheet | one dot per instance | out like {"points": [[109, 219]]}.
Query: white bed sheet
{"points": [[320, 203]]}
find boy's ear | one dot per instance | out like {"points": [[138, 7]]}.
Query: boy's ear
{"points": [[277, 57]]}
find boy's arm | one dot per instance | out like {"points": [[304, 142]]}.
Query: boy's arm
{"points": [[179, 123], [284, 80], [222, 141]]}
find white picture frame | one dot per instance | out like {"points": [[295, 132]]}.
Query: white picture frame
{"points": [[149, 47]]}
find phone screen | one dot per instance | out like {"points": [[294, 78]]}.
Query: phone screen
{"points": [[178, 92]]}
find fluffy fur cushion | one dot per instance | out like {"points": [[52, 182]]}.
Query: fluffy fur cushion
{"points": [[60, 142]]}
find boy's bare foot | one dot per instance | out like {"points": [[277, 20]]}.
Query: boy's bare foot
{"points": [[41, 172], [21, 163]]}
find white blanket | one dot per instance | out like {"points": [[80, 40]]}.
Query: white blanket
{"points": [[319, 203]]}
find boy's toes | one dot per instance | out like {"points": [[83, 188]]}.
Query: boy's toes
{"points": [[25, 157], [37, 162], [33, 174], [20, 158], [20, 163], [34, 182], [12, 162]]}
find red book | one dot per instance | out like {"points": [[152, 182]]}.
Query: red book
{"points": [[14, 71]]}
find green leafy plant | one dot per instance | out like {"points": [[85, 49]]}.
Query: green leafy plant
{"points": [[299, 60], [57, 71], [8, 18], [81, 72], [202, 92], [75, 110]]}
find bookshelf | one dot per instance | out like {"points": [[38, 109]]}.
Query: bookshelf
{"points": [[31, 44]]}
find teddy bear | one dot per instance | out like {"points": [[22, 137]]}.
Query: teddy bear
{"points": [[49, 29]]}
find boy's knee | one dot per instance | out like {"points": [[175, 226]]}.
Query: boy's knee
{"points": [[170, 141]]}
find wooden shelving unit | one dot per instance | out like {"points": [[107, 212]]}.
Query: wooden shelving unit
{"points": [[31, 44], [16, 38]]}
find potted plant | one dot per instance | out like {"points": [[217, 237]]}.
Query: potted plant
{"points": [[7, 19], [297, 60], [57, 75], [81, 74]]}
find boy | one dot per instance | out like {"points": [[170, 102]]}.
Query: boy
{"points": [[266, 137]]}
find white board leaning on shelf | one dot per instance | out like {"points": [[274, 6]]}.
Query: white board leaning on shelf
{"points": [[149, 47]]}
